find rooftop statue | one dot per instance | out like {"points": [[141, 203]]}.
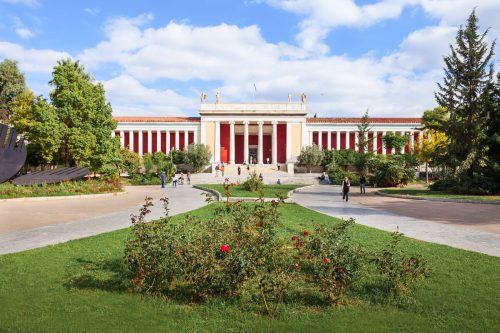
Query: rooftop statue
{"points": [[203, 97], [303, 97], [217, 97]]}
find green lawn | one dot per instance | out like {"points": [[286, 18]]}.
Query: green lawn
{"points": [[83, 187], [77, 287], [239, 191], [423, 192]]}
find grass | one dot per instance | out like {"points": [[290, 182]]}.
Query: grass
{"points": [[77, 287], [238, 190], [423, 192], [69, 188]]}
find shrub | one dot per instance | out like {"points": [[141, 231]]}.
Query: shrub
{"points": [[400, 272], [310, 156], [391, 171], [253, 183], [337, 174], [197, 156], [176, 156]]}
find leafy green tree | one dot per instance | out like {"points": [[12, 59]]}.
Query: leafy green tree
{"points": [[131, 162], [84, 114], [197, 156], [328, 157], [395, 140], [310, 156], [12, 84], [363, 129], [176, 156], [464, 93], [345, 158]]}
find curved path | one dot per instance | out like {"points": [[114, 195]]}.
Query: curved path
{"points": [[416, 219], [30, 224]]}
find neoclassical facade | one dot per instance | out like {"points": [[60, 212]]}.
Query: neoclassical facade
{"points": [[262, 133]]}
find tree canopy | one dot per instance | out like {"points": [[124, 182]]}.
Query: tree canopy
{"points": [[12, 84]]}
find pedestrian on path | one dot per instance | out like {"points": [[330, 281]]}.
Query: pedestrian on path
{"points": [[163, 178], [239, 170], [189, 178], [174, 181], [222, 169], [345, 189], [362, 183]]}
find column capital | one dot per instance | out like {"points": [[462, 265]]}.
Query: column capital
{"points": [[232, 122], [260, 123], [246, 122], [275, 122]]}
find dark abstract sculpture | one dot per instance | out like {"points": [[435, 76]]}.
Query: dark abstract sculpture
{"points": [[12, 153], [51, 176]]}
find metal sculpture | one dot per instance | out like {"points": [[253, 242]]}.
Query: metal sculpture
{"points": [[51, 176], [12, 153]]}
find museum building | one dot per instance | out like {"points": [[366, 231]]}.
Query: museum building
{"points": [[260, 133]]}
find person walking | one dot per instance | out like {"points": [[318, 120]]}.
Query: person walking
{"points": [[345, 189], [222, 169], [261, 178], [248, 168], [362, 183], [189, 178], [163, 178], [239, 170], [174, 181]]}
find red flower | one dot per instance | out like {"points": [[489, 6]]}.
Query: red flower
{"points": [[341, 270], [326, 260], [224, 248], [294, 237], [258, 225], [306, 233], [317, 230]]}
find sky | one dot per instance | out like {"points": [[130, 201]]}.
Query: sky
{"points": [[155, 57]]}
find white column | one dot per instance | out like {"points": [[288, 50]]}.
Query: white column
{"points": [[122, 139], [177, 140], [217, 143], [311, 138], [195, 137], [231, 142], [289, 141], [375, 142], [347, 140], [365, 149], [150, 141], [158, 141], [186, 139], [383, 144], [329, 140], [260, 149], [140, 144], [203, 133], [275, 143], [338, 140], [320, 140], [167, 141], [113, 134], [131, 140], [412, 141], [245, 142], [403, 148], [356, 141]]}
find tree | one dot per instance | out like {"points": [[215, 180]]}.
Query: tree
{"points": [[176, 156], [310, 156], [464, 94], [395, 140], [11, 85], [197, 156], [84, 114], [363, 129]]}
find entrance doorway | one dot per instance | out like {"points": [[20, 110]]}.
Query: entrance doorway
{"points": [[252, 155]]}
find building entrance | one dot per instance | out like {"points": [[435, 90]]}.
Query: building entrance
{"points": [[252, 155]]}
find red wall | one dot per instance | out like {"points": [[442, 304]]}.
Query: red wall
{"points": [[334, 140], [181, 140], [239, 143], [379, 143], [342, 140], [315, 138], [163, 142], [267, 149], [136, 142], [224, 143], [281, 143], [172, 140], [190, 138], [126, 139], [154, 145], [144, 142]]}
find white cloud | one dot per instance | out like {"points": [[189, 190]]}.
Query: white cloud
{"points": [[25, 33], [32, 60], [92, 11]]}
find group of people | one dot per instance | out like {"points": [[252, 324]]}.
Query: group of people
{"points": [[175, 179], [346, 185]]}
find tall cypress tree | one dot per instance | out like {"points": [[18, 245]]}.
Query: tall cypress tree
{"points": [[468, 79]]}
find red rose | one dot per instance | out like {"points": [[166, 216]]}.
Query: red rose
{"points": [[224, 248], [341, 270], [317, 230], [326, 260], [306, 233], [294, 237], [258, 225]]}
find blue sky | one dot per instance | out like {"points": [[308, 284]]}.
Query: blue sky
{"points": [[156, 57]]}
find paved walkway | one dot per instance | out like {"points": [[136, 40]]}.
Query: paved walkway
{"points": [[416, 223], [30, 224]]}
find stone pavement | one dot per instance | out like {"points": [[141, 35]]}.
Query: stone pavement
{"points": [[30, 224], [327, 200]]}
